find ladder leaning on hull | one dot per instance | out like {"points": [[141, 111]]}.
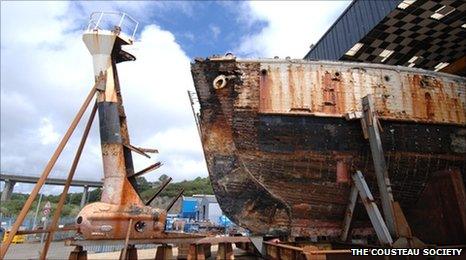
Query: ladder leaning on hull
{"points": [[393, 225]]}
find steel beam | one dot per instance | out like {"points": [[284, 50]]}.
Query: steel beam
{"points": [[174, 200], [161, 188], [374, 214], [380, 166], [146, 170]]}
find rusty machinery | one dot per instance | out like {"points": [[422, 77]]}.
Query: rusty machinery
{"points": [[120, 202], [121, 211]]}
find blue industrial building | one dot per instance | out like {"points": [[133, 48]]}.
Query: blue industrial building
{"points": [[201, 208], [189, 207]]}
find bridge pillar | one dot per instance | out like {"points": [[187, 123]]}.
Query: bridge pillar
{"points": [[84, 197], [7, 190]]}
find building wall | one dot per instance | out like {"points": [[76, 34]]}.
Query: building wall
{"points": [[355, 22], [189, 208], [214, 213]]}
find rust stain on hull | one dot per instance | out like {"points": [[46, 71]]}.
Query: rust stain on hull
{"points": [[279, 149], [334, 90]]}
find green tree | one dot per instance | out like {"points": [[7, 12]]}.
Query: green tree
{"points": [[95, 195], [143, 184], [163, 178]]}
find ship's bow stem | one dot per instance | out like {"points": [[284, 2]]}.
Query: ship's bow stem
{"points": [[117, 188]]}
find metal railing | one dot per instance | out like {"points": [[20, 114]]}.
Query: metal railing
{"points": [[111, 20]]}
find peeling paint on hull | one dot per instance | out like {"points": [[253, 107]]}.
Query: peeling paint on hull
{"points": [[279, 149]]}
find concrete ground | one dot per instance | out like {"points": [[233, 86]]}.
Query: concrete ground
{"points": [[59, 251], [144, 254]]}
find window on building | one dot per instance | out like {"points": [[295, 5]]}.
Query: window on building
{"points": [[403, 5], [442, 12], [413, 60], [441, 65], [385, 54], [354, 49]]}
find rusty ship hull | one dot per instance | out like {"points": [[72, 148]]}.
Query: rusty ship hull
{"points": [[280, 138]]}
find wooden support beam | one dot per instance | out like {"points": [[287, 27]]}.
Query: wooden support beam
{"points": [[374, 214], [200, 254], [61, 202], [225, 252], [78, 254], [349, 213], [131, 253], [192, 254], [124, 255], [163, 252], [371, 122], [47, 170]]}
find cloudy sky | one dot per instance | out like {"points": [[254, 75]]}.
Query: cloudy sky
{"points": [[46, 72]]}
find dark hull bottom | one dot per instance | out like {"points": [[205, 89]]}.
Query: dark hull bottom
{"points": [[282, 177]]}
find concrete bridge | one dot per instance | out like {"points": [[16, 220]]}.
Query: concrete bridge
{"points": [[11, 179]]}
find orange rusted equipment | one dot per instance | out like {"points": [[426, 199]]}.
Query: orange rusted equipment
{"points": [[120, 202]]}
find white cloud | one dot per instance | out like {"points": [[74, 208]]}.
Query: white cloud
{"points": [[215, 31], [158, 109], [47, 133], [177, 140], [292, 26]]}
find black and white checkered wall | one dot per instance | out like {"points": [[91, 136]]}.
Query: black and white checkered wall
{"points": [[413, 32]]}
